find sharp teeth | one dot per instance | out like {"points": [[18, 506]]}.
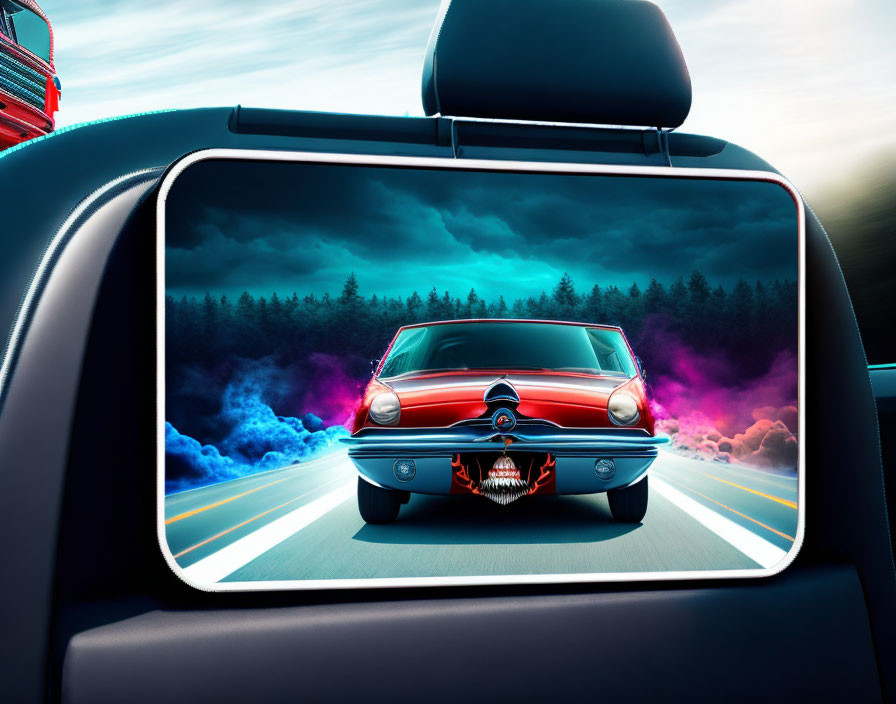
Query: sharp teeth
{"points": [[503, 490]]}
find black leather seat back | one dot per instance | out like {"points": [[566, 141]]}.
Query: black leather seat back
{"points": [[589, 61]]}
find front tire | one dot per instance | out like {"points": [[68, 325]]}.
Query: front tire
{"points": [[378, 505], [629, 505]]}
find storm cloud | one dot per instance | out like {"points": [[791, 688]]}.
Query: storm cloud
{"points": [[304, 228]]}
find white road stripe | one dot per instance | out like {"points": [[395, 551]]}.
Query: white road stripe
{"points": [[241, 552], [757, 549]]}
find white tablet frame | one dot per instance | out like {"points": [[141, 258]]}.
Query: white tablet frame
{"points": [[471, 165]]}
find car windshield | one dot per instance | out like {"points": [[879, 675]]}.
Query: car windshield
{"points": [[509, 346]]}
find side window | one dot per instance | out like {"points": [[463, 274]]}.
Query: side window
{"points": [[611, 351], [405, 353], [5, 23], [27, 28], [860, 225]]}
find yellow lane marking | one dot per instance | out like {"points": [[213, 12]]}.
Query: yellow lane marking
{"points": [[792, 504], [254, 518], [742, 515], [187, 514], [756, 475]]}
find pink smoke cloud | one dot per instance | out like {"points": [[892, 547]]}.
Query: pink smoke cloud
{"points": [[768, 443], [330, 392], [695, 383], [711, 414]]}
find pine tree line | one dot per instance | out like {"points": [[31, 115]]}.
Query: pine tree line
{"points": [[750, 323]]}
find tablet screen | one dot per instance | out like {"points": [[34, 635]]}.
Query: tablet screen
{"points": [[400, 371]]}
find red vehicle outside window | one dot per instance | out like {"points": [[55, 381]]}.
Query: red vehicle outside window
{"points": [[29, 89]]}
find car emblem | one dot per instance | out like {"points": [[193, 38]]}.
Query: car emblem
{"points": [[503, 420], [501, 390]]}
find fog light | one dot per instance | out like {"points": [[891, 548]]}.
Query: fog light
{"points": [[404, 470], [605, 469]]}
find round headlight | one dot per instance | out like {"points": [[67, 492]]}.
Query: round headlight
{"points": [[622, 409], [385, 409]]}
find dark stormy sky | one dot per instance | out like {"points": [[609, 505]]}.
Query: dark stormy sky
{"points": [[235, 226]]}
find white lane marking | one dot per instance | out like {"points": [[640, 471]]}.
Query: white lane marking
{"points": [[757, 549], [230, 558]]}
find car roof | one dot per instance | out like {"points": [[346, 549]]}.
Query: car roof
{"points": [[510, 320]]}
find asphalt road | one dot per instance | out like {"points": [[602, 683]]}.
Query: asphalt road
{"points": [[302, 523]]}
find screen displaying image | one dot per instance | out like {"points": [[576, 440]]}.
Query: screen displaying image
{"points": [[417, 373]]}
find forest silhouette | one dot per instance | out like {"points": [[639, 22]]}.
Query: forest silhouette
{"points": [[749, 324]]}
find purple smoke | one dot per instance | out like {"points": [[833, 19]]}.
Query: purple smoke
{"points": [[712, 413]]}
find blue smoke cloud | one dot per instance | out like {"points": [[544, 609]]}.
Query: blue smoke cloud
{"points": [[200, 463], [257, 438]]}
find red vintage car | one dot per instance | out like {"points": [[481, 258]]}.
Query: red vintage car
{"points": [[29, 89], [504, 409]]}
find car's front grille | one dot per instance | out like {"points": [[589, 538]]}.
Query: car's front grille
{"points": [[21, 81]]}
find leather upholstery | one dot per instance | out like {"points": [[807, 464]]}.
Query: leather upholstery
{"points": [[557, 61]]}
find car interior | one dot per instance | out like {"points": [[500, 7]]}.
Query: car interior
{"points": [[91, 612]]}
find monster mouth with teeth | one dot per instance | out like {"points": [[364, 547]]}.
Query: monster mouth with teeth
{"points": [[503, 482]]}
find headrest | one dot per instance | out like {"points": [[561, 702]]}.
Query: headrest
{"points": [[611, 62]]}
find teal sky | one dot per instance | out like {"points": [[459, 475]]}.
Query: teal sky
{"points": [[238, 226], [810, 86]]}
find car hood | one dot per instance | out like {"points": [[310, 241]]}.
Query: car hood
{"points": [[570, 400]]}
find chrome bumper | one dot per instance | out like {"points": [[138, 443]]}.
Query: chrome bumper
{"points": [[431, 442], [374, 450]]}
